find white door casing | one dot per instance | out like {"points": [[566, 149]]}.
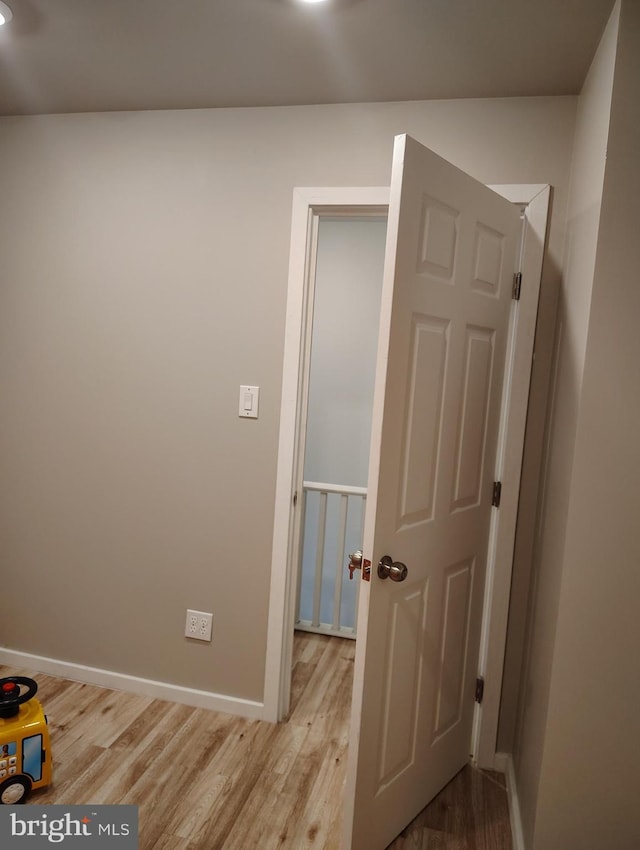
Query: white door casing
{"points": [[307, 203], [534, 201], [281, 622]]}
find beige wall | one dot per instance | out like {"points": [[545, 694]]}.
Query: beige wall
{"points": [[589, 781], [578, 743], [144, 272], [524, 731], [538, 552]]}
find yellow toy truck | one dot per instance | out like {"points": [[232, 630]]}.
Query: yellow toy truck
{"points": [[25, 750]]}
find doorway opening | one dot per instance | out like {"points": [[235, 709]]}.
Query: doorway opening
{"points": [[337, 381], [308, 204]]}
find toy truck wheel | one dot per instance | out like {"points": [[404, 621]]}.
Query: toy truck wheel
{"points": [[14, 790]]}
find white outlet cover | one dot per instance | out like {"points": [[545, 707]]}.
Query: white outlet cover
{"points": [[198, 625]]}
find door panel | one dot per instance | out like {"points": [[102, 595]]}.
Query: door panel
{"points": [[445, 305], [429, 346], [449, 691], [402, 681], [472, 418]]}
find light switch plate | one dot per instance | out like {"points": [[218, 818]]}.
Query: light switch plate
{"points": [[248, 406]]}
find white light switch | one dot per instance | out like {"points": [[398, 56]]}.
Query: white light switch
{"points": [[249, 402]]}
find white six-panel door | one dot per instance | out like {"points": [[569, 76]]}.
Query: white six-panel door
{"points": [[449, 266]]}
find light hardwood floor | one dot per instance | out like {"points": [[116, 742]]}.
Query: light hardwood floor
{"points": [[209, 781]]}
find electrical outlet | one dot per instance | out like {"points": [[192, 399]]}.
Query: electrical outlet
{"points": [[198, 625]]}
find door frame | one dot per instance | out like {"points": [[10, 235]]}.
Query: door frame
{"points": [[308, 202]]}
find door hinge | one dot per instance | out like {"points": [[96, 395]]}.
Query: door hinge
{"points": [[295, 498], [497, 493], [517, 286], [479, 689]]}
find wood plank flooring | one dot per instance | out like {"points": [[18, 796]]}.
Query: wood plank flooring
{"points": [[210, 781], [470, 813]]}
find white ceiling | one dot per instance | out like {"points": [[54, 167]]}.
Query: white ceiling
{"points": [[101, 55]]}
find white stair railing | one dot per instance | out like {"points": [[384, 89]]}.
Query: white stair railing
{"points": [[332, 524]]}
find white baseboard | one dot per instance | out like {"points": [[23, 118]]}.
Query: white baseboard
{"points": [[134, 684], [512, 794]]}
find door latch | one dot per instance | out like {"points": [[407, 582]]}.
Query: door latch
{"points": [[356, 562]]}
